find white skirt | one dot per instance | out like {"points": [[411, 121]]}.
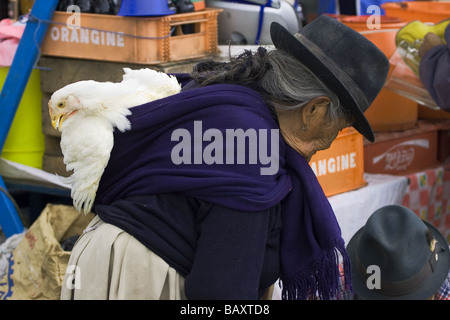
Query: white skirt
{"points": [[108, 263]]}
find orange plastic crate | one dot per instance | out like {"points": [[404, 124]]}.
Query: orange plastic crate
{"points": [[389, 111], [402, 152], [340, 168], [138, 40], [425, 11]]}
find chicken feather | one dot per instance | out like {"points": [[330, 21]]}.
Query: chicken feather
{"points": [[87, 113]]}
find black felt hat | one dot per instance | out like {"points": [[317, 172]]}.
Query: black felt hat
{"points": [[345, 61], [412, 256]]}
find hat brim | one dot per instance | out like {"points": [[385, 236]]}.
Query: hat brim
{"points": [[283, 39], [440, 273]]}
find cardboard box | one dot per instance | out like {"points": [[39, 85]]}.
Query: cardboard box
{"points": [[443, 145], [140, 40], [443, 140], [340, 168], [403, 152]]}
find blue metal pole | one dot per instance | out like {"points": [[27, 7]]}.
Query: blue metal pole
{"points": [[9, 218], [12, 91]]}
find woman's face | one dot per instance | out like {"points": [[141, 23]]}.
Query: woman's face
{"points": [[324, 136], [308, 130]]}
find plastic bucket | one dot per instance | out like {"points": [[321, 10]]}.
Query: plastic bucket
{"points": [[392, 112], [425, 11], [389, 111], [25, 141], [144, 8], [383, 38]]}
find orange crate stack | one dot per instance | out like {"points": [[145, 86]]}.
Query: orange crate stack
{"points": [[133, 39], [403, 152], [425, 11], [340, 168]]}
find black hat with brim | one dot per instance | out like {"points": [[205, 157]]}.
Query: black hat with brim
{"points": [[412, 256], [349, 64]]}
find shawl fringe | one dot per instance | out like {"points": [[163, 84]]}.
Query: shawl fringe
{"points": [[321, 279]]}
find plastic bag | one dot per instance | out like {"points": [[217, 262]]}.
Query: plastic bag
{"points": [[405, 82], [411, 37], [38, 264]]}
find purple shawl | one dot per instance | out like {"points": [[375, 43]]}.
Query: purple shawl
{"points": [[141, 163]]}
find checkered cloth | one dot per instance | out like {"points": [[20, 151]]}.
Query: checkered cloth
{"points": [[444, 291], [442, 294], [428, 195]]}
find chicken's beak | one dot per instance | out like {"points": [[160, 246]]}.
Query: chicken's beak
{"points": [[57, 122], [53, 118], [58, 118]]}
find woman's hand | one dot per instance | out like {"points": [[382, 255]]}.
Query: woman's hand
{"points": [[430, 40]]}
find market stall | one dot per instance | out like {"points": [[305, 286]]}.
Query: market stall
{"points": [[408, 164]]}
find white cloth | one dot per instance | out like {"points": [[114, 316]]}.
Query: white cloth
{"points": [[353, 208], [109, 264]]}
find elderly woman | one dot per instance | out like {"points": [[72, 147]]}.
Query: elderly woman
{"points": [[210, 194]]}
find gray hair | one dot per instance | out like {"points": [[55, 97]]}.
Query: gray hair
{"points": [[292, 85], [282, 80]]}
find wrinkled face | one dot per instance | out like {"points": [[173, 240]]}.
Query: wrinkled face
{"points": [[61, 108], [319, 137], [325, 135], [309, 129]]}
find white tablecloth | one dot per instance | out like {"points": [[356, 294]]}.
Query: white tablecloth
{"points": [[353, 208]]}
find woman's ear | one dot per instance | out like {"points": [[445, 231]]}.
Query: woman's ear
{"points": [[314, 111]]}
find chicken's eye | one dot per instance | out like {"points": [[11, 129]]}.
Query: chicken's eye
{"points": [[61, 104]]}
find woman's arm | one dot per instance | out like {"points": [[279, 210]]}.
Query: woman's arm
{"points": [[434, 68], [236, 252]]}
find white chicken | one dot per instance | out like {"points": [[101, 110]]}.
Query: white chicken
{"points": [[87, 112]]}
